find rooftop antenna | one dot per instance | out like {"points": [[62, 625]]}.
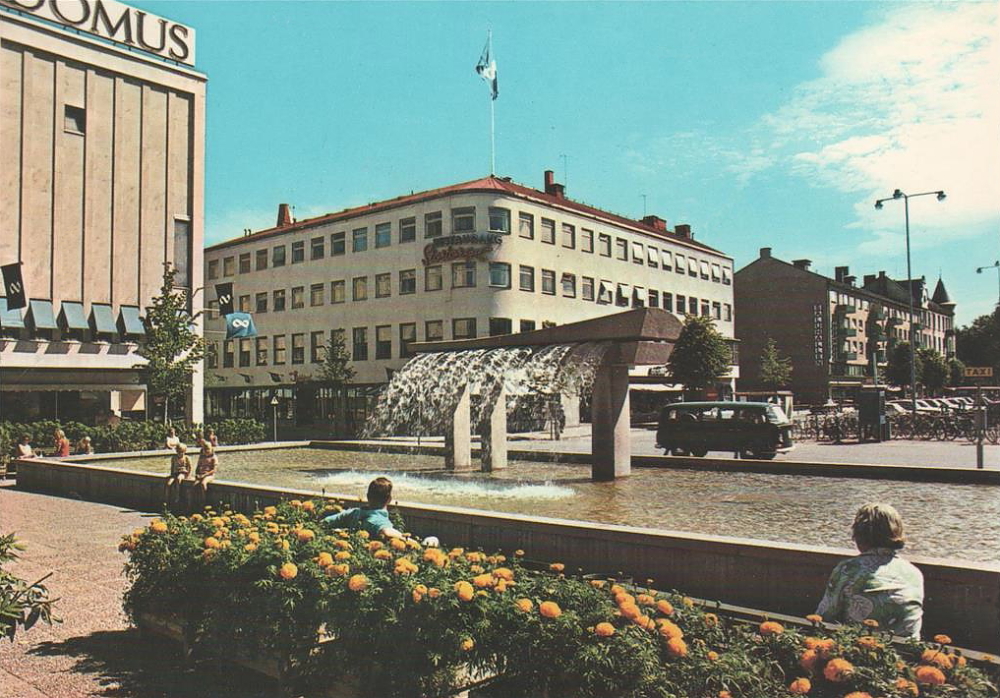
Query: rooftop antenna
{"points": [[565, 159], [643, 205]]}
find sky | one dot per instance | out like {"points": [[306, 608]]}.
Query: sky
{"points": [[760, 124]]}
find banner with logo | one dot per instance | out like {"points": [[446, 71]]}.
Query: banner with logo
{"points": [[13, 286], [224, 292], [240, 326]]}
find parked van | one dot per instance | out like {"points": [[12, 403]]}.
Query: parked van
{"points": [[751, 429]]}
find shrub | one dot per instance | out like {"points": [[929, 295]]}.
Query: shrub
{"points": [[21, 604]]}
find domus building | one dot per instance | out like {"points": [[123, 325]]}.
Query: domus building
{"points": [[484, 257], [102, 120]]}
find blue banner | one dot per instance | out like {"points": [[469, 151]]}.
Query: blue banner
{"points": [[240, 325]]}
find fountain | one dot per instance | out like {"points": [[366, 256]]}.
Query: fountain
{"points": [[434, 391]]}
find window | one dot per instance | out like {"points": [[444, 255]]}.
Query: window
{"points": [[299, 348], [359, 290], [638, 253], [679, 266], [500, 325], [317, 248], [727, 276], [74, 119], [213, 269], [338, 243], [212, 354], [604, 245], [407, 229], [704, 270], [261, 256], [383, 235], [245, 263], [278, 349], [568, 236], [569, 285], [359, 337], [654, 299], [278, 300], [499, 220], [463, 220], [245, 346], [278, 256], [527, 278], [717, 310], [681, 310], [261, 302], [692, 267], [605, 292], [228, 356], [706, 309], [433, 280], [463, 328], [359, 239], [229, 266], [548, 282], [587, 288], [526, 225], [298, 251], [433, 330], [316, 294], [692, 305], [668, 301], [727, 312], [432, 225], [548, 231], [621, 249], [383, 342], [666, 260], [716, 273], [463, 274], [622, 299], [407, 335], [213, 309], [298, 297], [261, 358], [317, 348], [653, 258], [244, 304], [527, 326], [338, 291], [407, 281], [499, 275], [383, 285]]}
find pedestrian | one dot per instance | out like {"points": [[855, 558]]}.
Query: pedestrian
{"points": [[24, 449], [211, 437], [61, 444], [878, 584], [172, 438], [84, 447], [180, 470]]}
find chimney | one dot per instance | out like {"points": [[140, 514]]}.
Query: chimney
{"points": [[840, 273], [284, 216], [656, 223], [869, 279], [849, 280], [765, 253], [802, 263], [552, 187], [684, 231]]}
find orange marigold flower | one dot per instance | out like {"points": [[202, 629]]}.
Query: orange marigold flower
{"points": [[665, 607], [212, 542], [519, 553], [725, 694], [288, 571], [630, 611], [374, 546], [858, 694], [645, 600], [907, 687], [343, 544], [504, 573], [524, 605], [363, 534], [295, 503], [305, 535], [464, 590], [383, 555], [688, 601], [712, 656], [309, 505], [158, 526], [814, 618], [217, 522], [597, 583], [557, 567], [711, 620], [929, 675], [676, 647], [254, 537], [937, 658], [550, 609], [644, 621], [476, 569], [501, 586], [869, 643], [417, 596], [324, 559], [604, 630], [208, 553], [338, 570], [800, 687], [342, 555], [196, 517], [838, 670], [769, 627], [668, 629], [357, 582], [467, 644], [943, 639], [622, 597], [268, 511], [250, 547], [617, 589], [824, 646], [397, 544], [434, 592], [870, 622]]}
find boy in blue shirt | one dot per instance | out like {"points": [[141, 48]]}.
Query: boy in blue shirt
{"points": [[374, 517]]}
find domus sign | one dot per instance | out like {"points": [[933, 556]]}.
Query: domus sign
{"points": [[116, 22]]}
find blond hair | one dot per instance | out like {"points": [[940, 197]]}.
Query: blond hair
{"points": [[878, 525]]}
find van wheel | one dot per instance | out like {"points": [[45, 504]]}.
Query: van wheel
{"points": [[699, 452]]}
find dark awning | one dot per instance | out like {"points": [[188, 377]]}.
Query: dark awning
{"points": [[41, 316], [72, 317], [10, 319], [102, 319], [129, 323]]}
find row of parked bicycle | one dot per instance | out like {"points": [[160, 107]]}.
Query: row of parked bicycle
{"points": [[928, 425]]}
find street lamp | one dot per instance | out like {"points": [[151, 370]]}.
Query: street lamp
{"points": [[274, 407], [995, 265], [896, 195]]}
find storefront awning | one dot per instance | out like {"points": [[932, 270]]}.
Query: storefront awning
{"points": [[102, 320], [40, 315], [72, 317], [10, 319], [129, 322]]}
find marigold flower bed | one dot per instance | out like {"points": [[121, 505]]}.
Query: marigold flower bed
{"points": [[415, 621]]}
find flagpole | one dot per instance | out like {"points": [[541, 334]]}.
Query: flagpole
{"points": [[493, 142]]}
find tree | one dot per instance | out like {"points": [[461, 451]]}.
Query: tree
{"points": [[172, 348], [956, 372], [978, 344], [897, 372], [775, 372], [336, 371], [701, 356], [933, 370]]}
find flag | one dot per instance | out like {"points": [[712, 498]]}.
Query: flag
{"points": [[14, 286], [276, 377], [240, 325], [487, 67], [247, 378], [224, 292]]}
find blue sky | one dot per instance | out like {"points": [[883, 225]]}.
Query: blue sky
{"points": [[759, 123]]}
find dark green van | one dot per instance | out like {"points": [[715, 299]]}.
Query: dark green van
{"points": [[750, 429]]}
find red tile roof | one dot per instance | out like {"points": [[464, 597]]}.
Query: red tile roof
{"points": [[484, 184]]}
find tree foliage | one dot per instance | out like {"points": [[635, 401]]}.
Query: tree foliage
{"points": [[956, 372], [172, 347], [934, 370], [336, 368], [897, 371], [21, 604], [775, 371], [978, 344], [701, 356]]}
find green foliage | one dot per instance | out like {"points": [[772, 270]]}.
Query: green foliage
{"points": [[978, 344], [775, 371], [409, 621], [897, 371], [934, 371], [701, 356], [336, 368], [956, 372], [172, 348], [21, 604]]}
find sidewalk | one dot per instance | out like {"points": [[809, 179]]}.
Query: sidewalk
{"points": [[93, 652]]}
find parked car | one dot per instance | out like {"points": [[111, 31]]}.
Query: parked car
{"points": [[751, 429]]}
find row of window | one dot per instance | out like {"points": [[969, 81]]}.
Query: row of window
{"points": [[930, 319], [464, 221]]}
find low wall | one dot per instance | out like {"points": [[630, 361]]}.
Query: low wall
{"points": [[962, 599]]}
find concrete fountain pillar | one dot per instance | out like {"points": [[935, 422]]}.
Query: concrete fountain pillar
{"points": [[493, 436], [610, 445], [457, 442]]}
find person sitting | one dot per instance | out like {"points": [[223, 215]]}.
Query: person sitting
{"points": [[180, 470], [877, 584], [172, 439], [211, 438], [24, 449], [204, 473], [84, 447], [61, 444], [374, 517]]}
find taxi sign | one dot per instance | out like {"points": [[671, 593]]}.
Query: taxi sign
{"points": [[978, 371]]}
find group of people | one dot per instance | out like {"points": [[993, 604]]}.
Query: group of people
{"points": [[180, 464], [60, 446]]}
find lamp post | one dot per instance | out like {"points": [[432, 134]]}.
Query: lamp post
{"points": [[896, 195], [995, 265], [274, 408]]}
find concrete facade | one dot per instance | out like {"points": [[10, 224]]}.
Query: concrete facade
{"points": [[103, 152]]}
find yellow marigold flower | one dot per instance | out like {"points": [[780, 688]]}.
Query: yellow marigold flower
{"points": [[524, 605], [937, 658], [383, 555], [283, 544], [342, 555], [467, 644], [343, 544], [870, 622], [338, 570], [404, 566], [676, 647], [196, 517], [688, 601], [669, 629], [295, 503], [374, 545], [308, 505], [942, 639], [464, 590], [483, 580], [501, 586], [363, 534], [272, 527], [220, 533], [519, 553], [421, 588], [434, 592], [157, 526], [482, 592], [504, 573], [838, 670], [604, 630], [456, 552], [270, 511], [557, 567], [597, 583], [288, 571], [476, 569], [814, 618], [226, 544], [253, 537], [769, 627], [397, 544], [667, 608], [929, 675], [907, 687], [358, 582], [645, 600], [211, 542], [250, 547], [475, 556], [800, 687], [711, 620], [550, 609], [869, 643], [324, 559], [217, 522], [305, 535]]}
